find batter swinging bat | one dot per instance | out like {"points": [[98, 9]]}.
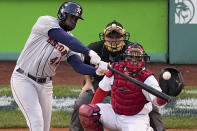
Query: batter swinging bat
{"points": [[144, 86]]}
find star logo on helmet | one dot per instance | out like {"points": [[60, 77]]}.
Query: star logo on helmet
{"points": [[79, 10]]}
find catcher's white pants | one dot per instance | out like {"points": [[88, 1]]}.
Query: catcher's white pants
{"points": [[34, 100], [116, 122]]}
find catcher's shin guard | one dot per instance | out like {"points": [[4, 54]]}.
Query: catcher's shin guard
{"points": [[89, 117]]}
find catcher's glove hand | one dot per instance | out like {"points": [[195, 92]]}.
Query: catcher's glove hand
{"points": [[174, 85]]}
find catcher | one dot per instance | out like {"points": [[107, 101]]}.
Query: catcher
{"points": [[112, 44], [110, 47], [130, 105]]}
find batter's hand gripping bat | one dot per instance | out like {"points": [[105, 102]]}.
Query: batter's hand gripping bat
{"points": [[146, 87]]}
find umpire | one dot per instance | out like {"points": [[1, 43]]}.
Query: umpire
{"points": [[110, 47]]}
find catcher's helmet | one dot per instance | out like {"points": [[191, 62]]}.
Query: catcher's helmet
{"points": [[69, 8], [135, 58], [114, 36]]}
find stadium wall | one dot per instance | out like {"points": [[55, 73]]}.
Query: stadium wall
{"points": [[182, 31], [146, 20]]}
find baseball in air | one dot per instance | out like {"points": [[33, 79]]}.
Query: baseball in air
{"points": [[166, 75]]}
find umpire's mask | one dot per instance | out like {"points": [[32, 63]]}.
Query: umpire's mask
{"points": [[114, 37]]}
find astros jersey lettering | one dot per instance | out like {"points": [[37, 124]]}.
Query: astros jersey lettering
{"points": [[41, 55]]}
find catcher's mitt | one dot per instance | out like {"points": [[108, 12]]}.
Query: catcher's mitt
{"points": [[174, 85]]}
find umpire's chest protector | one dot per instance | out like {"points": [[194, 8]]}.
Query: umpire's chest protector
{"points": [[126, 97]]}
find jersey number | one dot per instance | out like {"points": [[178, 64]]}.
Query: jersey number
{"points": [[55, 61]]}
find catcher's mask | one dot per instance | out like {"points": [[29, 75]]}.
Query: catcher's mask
{"points": [[114, 36], [135, 58], [68, 14]]}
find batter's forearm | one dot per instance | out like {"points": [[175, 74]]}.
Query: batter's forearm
{"points": [[80, 67], [85, 69]]}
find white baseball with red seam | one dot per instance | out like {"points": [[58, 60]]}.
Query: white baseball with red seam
{"points": [[166, 75]]}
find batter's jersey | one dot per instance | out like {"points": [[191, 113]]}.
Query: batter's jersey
{"points": [[42, 55], [107, 82]]}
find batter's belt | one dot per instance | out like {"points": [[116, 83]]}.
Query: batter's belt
{"points": [[37, 79]]}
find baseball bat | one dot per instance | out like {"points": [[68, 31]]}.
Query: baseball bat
{"points": [[146, 87]]}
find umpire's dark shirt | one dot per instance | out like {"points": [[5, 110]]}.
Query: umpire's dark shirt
{"points": [[105, 55]]}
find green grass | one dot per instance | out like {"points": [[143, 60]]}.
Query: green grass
{"points": [[15, 119], [189, 91], [66, 90], [57, 90], [11, 119], [60, 119], [180, 122], [5, 91]]}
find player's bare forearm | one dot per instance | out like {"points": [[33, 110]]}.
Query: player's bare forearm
{"points": [[88, 84]]}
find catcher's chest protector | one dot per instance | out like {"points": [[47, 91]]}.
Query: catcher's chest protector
{"points": [[126, 97]]}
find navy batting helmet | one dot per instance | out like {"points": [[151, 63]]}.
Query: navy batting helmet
{"points": [[69, 8]]}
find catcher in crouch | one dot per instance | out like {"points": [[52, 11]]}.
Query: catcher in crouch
{"points": [[130, 104]]}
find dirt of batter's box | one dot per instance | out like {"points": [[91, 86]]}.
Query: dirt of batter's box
{"points": [[67, 76]]}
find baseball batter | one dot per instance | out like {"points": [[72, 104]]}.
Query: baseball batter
{"points": [[49, 43], [130, 105]]}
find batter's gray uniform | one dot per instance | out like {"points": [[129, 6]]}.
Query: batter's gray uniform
{"points": [[31, 80]]}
